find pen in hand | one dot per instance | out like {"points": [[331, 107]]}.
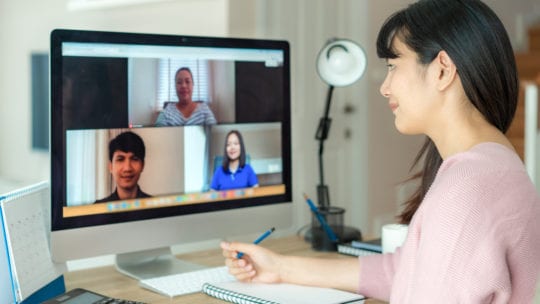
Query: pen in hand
{"points": [[258, 240], [321, 220]]}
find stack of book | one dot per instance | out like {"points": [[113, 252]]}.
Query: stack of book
{"points": [[361, 248]]}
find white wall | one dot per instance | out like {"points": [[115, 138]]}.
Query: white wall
{"points": [[307, 25], [142, 90], [223, 89]]}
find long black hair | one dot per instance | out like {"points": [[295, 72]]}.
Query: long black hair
{"points": [[242, 160], [476, 41]]}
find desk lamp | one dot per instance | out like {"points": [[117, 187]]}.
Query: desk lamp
{"points": [[340, 63]]}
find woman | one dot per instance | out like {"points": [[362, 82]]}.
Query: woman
{"points": [[185, 111], [474, 233], [234, 172]]}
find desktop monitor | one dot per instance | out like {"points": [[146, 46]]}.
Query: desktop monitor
{"points": [[134, 164]]}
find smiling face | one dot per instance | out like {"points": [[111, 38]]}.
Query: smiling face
{"points": [[126, 169], [410, 90], [234, 149], [184, 86]]}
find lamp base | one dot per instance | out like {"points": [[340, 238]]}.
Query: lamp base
{"points": [[347, 234]]}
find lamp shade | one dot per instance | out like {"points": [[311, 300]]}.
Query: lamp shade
{"points": [[341, 62]]}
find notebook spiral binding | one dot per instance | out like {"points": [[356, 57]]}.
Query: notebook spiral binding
{"points": [[22, 191], [233, 297]]}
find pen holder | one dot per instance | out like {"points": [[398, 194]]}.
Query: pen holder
{"points": [[334, 218]]}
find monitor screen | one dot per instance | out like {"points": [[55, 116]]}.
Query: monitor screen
{"points": [[178, 132]]}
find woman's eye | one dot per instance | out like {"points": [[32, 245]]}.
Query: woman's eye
{"points": [[390, 66]]}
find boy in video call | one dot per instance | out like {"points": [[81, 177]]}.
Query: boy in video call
{"points": [[126, 162]]}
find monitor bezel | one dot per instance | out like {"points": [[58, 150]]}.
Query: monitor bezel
{"points": [[58, 134]]}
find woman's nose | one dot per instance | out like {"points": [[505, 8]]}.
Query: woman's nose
{"points": [[385, 88]]}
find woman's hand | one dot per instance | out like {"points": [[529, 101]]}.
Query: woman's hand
{"points": [[256, 265]]}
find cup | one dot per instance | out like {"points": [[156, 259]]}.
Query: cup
{"points": [[334, 218], [393, 236]]}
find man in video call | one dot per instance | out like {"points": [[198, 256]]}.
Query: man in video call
{"points": [[126, 162]]}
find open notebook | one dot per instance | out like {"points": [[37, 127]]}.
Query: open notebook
{"points": [[25, 259], [251, 293]]}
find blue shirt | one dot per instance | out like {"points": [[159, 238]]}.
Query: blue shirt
{"points": [[243, 178]]}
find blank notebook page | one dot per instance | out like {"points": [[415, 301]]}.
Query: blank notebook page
{"points": [[290, 293]]}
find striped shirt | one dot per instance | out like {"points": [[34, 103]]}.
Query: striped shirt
{"points": [[171, 116]]}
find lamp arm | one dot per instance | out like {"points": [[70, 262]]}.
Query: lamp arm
{"points": [[328, 101], [321, 136], [324, 123]]}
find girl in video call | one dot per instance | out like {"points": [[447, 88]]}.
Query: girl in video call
{"points": [[186, 111], [474, 228], [234, 173]]}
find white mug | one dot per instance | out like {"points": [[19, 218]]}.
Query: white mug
{"points": [[393, 236]]}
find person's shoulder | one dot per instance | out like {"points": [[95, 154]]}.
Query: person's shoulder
{"points": [[170, 105], [247, 167], [484, 158], [142, 194], [168, 109], [488, 176], [112, 197], [219, 170], [202, 106]]}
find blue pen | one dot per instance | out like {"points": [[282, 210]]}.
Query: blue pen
{"points": [[258, 240], [321, 219]]}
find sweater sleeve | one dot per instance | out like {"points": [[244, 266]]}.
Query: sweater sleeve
{"points": [[376, 274], [460, 253]]}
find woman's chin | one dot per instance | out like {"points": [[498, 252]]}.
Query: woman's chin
{"points": [[404, 129]]}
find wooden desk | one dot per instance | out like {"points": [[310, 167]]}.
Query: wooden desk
{"points": [[108, 281]]}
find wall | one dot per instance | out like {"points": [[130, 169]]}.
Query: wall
{"points": [[307, 25], [142, 90], [223, 92], [260, 140], [25, 26]]}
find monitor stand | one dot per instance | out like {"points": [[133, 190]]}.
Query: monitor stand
{"points": [[153, 263]]}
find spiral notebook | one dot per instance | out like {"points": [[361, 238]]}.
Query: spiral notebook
{"points": [[361, 248], [348, 249], [253, 293]]}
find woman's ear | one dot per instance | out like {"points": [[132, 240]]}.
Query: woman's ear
{"points": [[447, 70]]}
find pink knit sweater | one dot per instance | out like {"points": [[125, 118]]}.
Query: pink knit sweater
{"points": [[474, 239]]}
